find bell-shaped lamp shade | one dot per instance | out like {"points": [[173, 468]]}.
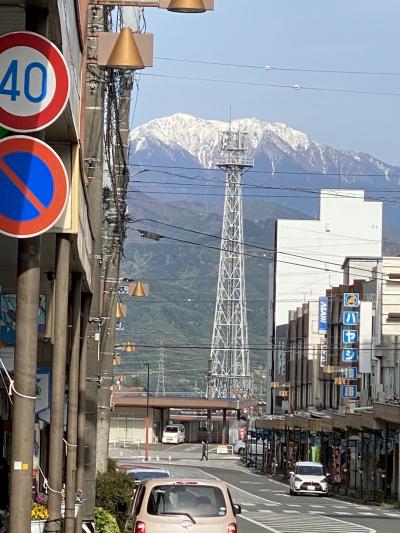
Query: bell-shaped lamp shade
{"points": [[138, 290], [339, 381], [129, 347], [187, 6], [125, 53], [119, 310]]}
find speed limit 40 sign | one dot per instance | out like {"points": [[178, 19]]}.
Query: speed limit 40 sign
{"points": [[34, 82]]}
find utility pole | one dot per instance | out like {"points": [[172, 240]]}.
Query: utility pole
{"points": [[93, 157], [82, 402], [56, 448], [113, 237], [73, 399], [28, 283]]}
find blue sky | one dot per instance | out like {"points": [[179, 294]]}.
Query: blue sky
{"points": [[355, 35]]}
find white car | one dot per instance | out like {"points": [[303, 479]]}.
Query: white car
{"points": [[308, 478], [174, 434], [240, 447]]}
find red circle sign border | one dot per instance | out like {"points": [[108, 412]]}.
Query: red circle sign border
{"points": [[21, 229], [57, 105]]}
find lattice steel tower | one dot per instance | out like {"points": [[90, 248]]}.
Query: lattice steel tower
{"points": [[229, 364], [160, 391]]}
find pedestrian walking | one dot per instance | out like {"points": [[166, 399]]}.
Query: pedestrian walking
{"points": [[204, 450]]}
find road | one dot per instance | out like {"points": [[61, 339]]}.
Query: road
{"points": [[267, 505]]}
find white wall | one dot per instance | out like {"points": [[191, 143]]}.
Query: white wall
{"points": [[348, 226]]}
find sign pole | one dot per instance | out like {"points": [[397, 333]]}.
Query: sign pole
{"points": [[28, 283]]}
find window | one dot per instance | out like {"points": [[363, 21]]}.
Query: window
{"points": [[171, 429], [309, 470], [137, 503], [196, 500]]}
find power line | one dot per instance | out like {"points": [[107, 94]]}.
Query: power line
{"points": [[268, 197], [272, 172], [294, 87], [255, 246], [220, 185], [280, 69]]}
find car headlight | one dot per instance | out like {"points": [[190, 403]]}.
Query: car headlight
{"points": [[298, 479], [324, 480]]}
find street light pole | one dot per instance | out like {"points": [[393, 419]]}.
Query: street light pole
{"points": [[146, 448]]}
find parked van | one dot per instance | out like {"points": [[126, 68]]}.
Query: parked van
{"points": [[173, 434]]}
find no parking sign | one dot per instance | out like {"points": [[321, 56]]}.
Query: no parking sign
{"points": [[34, 82], [34, 186]]}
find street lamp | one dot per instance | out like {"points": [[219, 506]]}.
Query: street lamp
{"points": [[147, 444]]}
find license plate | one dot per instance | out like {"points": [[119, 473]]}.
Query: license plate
{"points": [[311, 487]]}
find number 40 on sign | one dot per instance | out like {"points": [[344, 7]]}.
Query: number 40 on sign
{"points": [[34, 82]]}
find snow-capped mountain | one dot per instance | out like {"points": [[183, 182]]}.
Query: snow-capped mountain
{"points": [[273, 141], [284, 157]]}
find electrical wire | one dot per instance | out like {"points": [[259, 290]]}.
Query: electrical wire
{"points": [[294, 87], [277, 68], [272, 172], [273, 251]]}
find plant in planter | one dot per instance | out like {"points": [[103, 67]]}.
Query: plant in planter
{"points": [[39, 515]]}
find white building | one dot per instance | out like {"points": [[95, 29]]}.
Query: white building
{"points": [[310, 253]]}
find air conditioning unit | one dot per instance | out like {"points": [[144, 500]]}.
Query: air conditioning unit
{"points": [[381, 397], [389, 393]]}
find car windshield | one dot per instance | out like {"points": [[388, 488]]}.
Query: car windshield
{"points": [[307, 470], [139, 475], [171, 429], [195, 500]]}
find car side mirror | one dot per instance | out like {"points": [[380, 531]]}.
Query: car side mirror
{"points": [[327, 474], [291, 473], [237, 508]]}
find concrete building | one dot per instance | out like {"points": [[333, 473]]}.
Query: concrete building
{"points": [[310, 253]]}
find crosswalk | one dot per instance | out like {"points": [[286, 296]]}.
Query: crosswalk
{"points": [[291, 521]]}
